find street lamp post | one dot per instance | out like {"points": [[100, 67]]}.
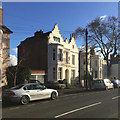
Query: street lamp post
{"points": [[86, 60]]}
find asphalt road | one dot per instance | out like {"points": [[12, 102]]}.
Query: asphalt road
{"points": [[94, 104]]}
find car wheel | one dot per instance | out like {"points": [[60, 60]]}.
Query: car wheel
{"points": [[106, 88], [53, 95], [24, 100], [62, 87]]}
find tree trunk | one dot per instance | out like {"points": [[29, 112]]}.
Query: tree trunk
{"points": [[108, 69]]}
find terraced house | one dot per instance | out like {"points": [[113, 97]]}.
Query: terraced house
{"points": [[96, 65], [48, 54]]}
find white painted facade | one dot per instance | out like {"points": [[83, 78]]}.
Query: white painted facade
{"points": [[62, 57], [96, 66], [99, 67]]}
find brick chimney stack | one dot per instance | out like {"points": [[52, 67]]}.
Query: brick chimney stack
{"points": [[1, 15]]}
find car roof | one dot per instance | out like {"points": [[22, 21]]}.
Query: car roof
{"points": [[98, 79], [22, 85], [34, 80], [31, 84], [28, 84]]}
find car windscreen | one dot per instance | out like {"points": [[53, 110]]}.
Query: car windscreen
{"points": [[56, 82], [53, 82], [99, 81]]}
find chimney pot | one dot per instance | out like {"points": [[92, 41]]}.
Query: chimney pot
{"points": [[39, 33]]}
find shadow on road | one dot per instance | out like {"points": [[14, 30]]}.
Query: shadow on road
{"points": [[7, 104]]}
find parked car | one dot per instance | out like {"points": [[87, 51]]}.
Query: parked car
{"points": [[104, 84], [116, 83], [108, 84], [55, 85], [63, 82], [36, 81], [99, 84], [28, 92]]}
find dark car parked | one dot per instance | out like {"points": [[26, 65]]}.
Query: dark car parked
{"points": [[55, 85], [36, 81], [63, 82]]}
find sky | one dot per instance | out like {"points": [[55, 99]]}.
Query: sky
{"points": [[25, 18]]}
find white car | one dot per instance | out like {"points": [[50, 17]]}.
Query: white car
{"points": [[108, 84], [29, 92]]}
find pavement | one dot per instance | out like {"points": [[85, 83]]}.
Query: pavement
{"points": [[71, 90]]}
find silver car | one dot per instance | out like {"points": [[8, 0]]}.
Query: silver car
{"points": [[28, 92], [103, 84], [99, 84]]}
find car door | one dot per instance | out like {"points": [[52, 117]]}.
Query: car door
{"points": [[40, 92], [44, 93], [32, 91]]}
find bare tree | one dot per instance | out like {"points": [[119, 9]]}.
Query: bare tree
{"points": [[103, 34]]}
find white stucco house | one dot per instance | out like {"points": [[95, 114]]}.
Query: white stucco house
{"points": [[62, 57], [96, 65]]}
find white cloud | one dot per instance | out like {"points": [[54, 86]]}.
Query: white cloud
{"points": [[103, 17], [15, 50], [13, 60]]}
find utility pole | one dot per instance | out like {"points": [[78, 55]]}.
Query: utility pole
{"points": [[86, 33]]}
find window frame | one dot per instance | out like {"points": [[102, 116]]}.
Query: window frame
{"points": [[67, 57], [54, 53], [73, 59], [96, 74], [72, 74], [57, 39], [60, 54], [60, 73], [54, 73]]}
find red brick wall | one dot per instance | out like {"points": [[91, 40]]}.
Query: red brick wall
{"points": [[33, 53]]}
